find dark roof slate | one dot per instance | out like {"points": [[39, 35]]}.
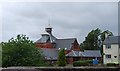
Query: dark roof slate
{"points": [[112, 40], [74, 53], [64, 43], [86, 53], [91, 53], [50, 54], [44, 39]]}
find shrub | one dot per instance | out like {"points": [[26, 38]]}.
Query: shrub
{"points": [[61, 58], [82, 63], [112, 64], [21, 51]]}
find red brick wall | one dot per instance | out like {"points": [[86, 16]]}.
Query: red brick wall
{"points": [[44, 45], [75, 46]]}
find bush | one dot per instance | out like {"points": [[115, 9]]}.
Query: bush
{"points": [[61, 58], [21, 51], [112, 64], [82, 63]]}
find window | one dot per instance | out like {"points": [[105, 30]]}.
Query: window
{"points": [[115, 56], [108, 46], [108, 56]]}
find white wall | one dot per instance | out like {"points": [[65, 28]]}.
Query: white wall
{"points": [[114, 51]]}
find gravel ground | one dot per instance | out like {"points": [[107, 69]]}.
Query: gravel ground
{"points": [[61, 69]]}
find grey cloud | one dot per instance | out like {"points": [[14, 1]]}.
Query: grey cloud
{"points": [[69, 19]]}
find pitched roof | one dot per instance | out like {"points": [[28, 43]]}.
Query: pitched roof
{"points": [[91, 53], [44, 39], [45, 33], [50, 54], [86, 53], [112, 40], [74, 53], [65, 43]]}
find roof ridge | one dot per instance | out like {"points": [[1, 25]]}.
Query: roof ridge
{"points": [[65, 38]]}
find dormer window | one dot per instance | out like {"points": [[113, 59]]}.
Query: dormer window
{"points": [[108, 46]]}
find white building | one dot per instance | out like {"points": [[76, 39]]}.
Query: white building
{"points": [[111, 50]]}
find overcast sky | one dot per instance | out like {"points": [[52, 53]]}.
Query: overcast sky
{"points": [[68, 19]]}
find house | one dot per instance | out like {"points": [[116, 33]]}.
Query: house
{"points": [[50, 45], [111, 50]]}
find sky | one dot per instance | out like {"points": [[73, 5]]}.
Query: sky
{"points": [[68, 19]]}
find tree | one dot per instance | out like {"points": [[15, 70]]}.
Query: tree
{"points": [[90, 42], [105, 32], [94, 40], [61, 58], [21, 52]]}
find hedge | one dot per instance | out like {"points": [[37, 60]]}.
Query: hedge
{"points": [[82, 63], [112, 64]]}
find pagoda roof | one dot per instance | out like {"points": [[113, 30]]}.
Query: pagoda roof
{"points": [[48, 26], [45, 33]]}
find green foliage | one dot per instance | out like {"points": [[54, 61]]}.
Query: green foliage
{"points": [[21, 52], [90, 42], [103, 34], [61, 58], [82, 63], [94, 40], [112, 64]]}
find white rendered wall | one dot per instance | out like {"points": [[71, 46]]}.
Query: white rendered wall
{"points": [[113, 51]]}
